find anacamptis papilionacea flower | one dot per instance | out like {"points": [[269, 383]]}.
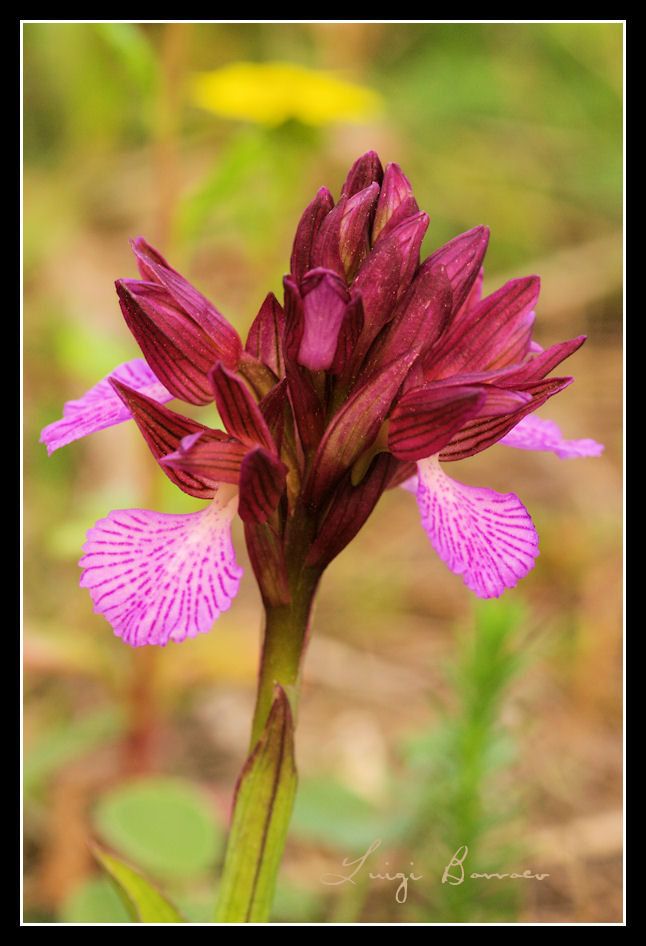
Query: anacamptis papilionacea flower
{"points": [[375, 371]]}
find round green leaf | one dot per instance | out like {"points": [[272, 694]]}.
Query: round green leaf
{"points": [[165, 826]]}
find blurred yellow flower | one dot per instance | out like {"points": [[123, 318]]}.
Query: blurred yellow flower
{"points": [[272, 92]]}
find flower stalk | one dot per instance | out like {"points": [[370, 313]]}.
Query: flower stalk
{"points": [[266, 788], [284, 643]]}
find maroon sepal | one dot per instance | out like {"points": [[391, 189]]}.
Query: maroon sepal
{"points": [[325, 298], [462, 258], [306, 407], [294, 322], [163, 430], [425, 419], [473, 297], [197, 307], [262, 483], [500, 400], [178, 352], [386, 274], [356, 224], [147, 255], [538, 366], [239, 411], [479, 434], [267, 558], [272, 407], [354, 427], [362, 174], [349, 334], [527, 378], [306, 231], [408, 208], [494, 334], [265, 338], [325, 251], [500, 395], [420, 318], [396, 201], [215, 459], [348, 510]]}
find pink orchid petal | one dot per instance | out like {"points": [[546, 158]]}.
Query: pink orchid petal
{"points": [[486, 537], [101, 406], [534, 433], [157, 577]]}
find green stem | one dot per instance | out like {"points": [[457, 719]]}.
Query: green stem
{"points": [[267, 783], [283, 648]]}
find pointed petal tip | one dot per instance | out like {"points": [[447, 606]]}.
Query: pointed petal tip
{"points": [[125, 294], [535, 433], [102, 406], [485, 236], [45, 438], [141, 247], [324, 194]]}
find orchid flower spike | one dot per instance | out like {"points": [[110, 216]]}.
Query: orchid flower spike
{"points": [[376, 370]]}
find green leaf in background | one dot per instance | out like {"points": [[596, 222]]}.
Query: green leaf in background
{"points": [[263, 807], [328, 813], [94, 901], [165, 825], [143, 901]]}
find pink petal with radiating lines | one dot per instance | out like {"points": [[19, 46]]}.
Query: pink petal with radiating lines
{"points": [[101, 406], [157, 577], [534, 433], [486, 537]]}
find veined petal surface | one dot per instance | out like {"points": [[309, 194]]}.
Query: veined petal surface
{"points": [[534, 433], [101, 406], [486, 537], [158, 577]]}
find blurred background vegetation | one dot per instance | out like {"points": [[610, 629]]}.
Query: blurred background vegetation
{"points": [[425, 722]]}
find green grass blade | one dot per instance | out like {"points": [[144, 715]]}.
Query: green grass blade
{"points": [[144, 902]]}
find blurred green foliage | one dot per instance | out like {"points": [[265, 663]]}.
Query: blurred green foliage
{"points": [[518, 123], [452, 788], [459, 785]]}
